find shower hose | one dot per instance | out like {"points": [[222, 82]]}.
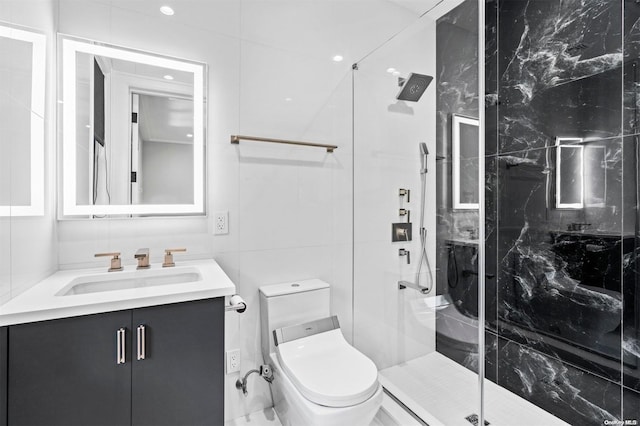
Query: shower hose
{"points": [[424, 259]]}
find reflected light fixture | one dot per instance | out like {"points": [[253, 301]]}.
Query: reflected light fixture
{"points": [[391, 70], [167, 10], [189, 135], [168, 77], [338, 58]]}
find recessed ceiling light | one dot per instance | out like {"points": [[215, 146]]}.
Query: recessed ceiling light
{"points": [[395, 73], [288, 99], [189, 135], [338, 58], [168, 77], [167, 10], [391, 70]]}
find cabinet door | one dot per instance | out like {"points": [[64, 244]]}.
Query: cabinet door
{"points": [[181, 379], [4, 344], [64, 372]]}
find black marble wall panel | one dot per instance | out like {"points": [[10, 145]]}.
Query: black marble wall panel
{"points": [[631, 118], [457, 93], [631, 404], [570, 393], [563, 308], [545, 45]]}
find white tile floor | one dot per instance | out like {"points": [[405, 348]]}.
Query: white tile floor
{"points": [[391, 414], [265, 417], [443, 392]]}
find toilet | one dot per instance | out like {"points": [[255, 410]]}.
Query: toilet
{"points": [[319, 378]]}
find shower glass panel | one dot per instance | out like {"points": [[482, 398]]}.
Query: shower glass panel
{"points": [[562, 223], [422, 334]]}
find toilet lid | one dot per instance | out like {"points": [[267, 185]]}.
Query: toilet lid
{"points": [[327, 370]]}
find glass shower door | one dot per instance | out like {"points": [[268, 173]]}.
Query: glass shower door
{"points": [[418, 320]]}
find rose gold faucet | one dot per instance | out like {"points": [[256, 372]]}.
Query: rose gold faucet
{"points": [[142, 255], [168, 257], [116, 265]]}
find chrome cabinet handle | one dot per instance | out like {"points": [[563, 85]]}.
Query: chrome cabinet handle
{"points": [[120, 346], [141, 331]]}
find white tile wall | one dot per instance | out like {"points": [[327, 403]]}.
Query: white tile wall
{"points": [[290, 209], [387, 134], [282, 201], [28, 249]]}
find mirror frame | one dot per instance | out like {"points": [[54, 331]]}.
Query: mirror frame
{"points": [[576, 144], [70, 46], [38, 95], [456, 121]]}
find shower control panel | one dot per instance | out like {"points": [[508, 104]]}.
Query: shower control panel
{"points": [[401, 231]]}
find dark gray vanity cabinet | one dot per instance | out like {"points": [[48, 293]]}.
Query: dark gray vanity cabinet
{"points": [[181, 379], [64, 372], [68, 371], [4, 344]]}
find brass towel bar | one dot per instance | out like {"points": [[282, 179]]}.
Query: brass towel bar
{"points": [[235, 139]]}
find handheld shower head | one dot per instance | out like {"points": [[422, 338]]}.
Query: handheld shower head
{"points": [[424, 152]]}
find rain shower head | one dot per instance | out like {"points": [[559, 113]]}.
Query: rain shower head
{"points": [[413, 87]]}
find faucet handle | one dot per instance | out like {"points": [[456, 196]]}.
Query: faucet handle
{"points": [[168, 257], [116, 264]]}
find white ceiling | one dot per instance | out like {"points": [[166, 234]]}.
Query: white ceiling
{"points": [[418, 6], [285, 46], [314, 27]]}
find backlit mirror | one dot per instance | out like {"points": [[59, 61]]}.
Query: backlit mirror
{"points": [[465, 153], [595, 175], [132, 131], [22, 107], [569, 173]]}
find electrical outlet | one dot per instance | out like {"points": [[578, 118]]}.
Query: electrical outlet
{"points": [[221, 222], [233, 361]]}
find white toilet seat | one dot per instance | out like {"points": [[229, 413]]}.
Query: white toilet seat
{"points": [[327, 370]]}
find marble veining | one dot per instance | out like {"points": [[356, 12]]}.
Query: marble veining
{"points": [[539, 375], [561, 284], [555, 46]]}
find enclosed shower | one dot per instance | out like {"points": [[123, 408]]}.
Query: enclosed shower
{"points": [[528, 217]]}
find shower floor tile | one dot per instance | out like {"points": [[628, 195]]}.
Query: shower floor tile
{"points": [[443, 392]]}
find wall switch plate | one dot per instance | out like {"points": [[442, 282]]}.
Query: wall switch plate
{"points": [[233, 361], [221, 222]]}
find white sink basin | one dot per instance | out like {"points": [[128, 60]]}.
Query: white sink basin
{"points": [[91, 291], [131, 279]]}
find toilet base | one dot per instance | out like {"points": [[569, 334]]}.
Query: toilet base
{"points": [[293, 409]]}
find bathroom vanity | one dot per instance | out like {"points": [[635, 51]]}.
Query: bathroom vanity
{"points": [[152, 354]]}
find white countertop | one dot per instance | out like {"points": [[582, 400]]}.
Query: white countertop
{"points": [[41, 301]]}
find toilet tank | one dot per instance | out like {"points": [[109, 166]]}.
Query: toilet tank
{"points": [[292, 303]]}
